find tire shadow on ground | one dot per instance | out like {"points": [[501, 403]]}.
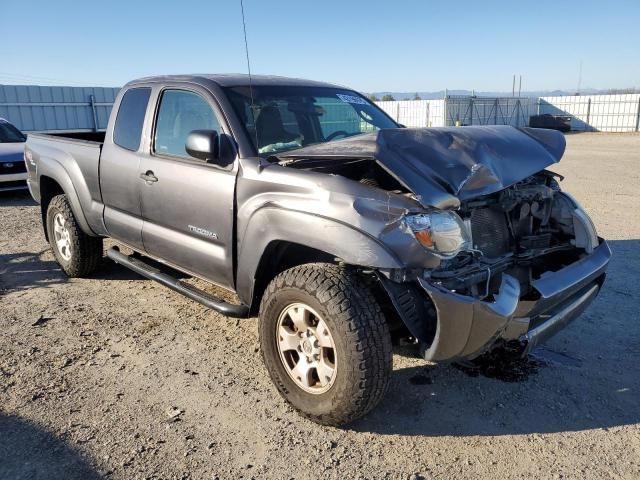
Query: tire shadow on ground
{"points": [[25, 270], [17, 198], [28, 451]]}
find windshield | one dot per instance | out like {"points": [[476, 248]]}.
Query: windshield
{"points": [[9, 133], [286, 118]]}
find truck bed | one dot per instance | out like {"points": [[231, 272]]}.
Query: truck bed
{"points": [[78, 153], [95, 137]]}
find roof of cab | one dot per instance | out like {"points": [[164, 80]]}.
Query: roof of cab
{"points": [[235, 80]]}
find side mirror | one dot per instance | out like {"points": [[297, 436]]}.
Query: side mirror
{"points": [[207, 145], [202, 144]]}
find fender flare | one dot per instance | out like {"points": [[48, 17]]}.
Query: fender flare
{"points": [[341, 240], [57, 172]]}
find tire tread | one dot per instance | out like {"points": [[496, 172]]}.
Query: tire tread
{"points": [[346, 296], [86, 250]]}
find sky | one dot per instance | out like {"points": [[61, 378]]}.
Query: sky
{"points": [[372, 46]]}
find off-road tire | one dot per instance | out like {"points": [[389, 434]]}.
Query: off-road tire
{"points": [[360, 332], [86, 251]]}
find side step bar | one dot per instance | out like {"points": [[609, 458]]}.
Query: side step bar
{"points": [[146, 270]]}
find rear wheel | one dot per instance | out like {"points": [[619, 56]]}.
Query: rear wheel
{"points": [[77, 253], [325, 342]]}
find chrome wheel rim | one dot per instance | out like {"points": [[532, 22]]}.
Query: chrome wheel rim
{"points": [[62, 236], [306, 348]]}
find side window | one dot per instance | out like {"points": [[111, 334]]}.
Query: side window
{"points": [[130, 119], [181, 112]]}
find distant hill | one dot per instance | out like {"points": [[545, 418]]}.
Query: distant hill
{"points": [[542, 93]]}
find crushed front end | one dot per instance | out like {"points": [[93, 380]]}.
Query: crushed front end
{"points": [[531, 263]]}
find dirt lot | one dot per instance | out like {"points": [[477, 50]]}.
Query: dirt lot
{"points": [[117, 376]]}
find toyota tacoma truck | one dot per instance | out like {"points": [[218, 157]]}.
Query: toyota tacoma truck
{"points": [[339, 227]]}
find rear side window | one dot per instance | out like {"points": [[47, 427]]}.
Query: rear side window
{"points": [[128, 128]]}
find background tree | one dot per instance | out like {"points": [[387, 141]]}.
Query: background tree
{"points": [[416, 96], [388, 98], [373, 97]]}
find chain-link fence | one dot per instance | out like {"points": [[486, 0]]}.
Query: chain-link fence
{"points": [[465, 110]]}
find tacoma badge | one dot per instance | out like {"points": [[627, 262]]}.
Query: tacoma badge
{"points": [[202, 231]]}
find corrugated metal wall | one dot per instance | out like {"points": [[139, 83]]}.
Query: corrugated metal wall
{"points": [[34, 108]]}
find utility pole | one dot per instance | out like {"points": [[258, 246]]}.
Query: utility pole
{"points": [[579, 78], [520, 86], [513, 87]]}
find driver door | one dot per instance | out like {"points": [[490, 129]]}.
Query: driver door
{"points": [[188, 208]]}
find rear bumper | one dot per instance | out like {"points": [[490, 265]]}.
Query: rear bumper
{"points": [[468, 327], [13, 181]]}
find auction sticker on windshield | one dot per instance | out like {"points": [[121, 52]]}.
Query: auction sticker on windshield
{"points": [[351, 99]]}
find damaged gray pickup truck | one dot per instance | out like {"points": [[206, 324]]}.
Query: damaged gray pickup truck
{"points": [[343, 229]]}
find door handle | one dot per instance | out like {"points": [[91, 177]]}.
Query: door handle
{"points": [[149, 177]]}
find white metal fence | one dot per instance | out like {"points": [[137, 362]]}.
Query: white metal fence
{"points": [[604, 113], [601, 113], [416, 113]]}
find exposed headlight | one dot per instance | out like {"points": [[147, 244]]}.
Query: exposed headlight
{"points": [[584, 230], [441, 232]]}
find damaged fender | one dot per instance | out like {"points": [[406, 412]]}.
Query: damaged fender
{"points": [[341, 240]]}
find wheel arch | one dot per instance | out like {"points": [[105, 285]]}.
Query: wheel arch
{"points": [[49, 188], [277, 239], [51, 185], [278, 256]]}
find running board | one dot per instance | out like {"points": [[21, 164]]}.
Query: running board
{"points": [[200, 296]]}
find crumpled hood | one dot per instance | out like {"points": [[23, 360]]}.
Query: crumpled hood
{"points": [[443, 166], [11, 152]]}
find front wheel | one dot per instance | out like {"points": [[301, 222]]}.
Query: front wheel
{"points": [[325, 342], [77, 253]]}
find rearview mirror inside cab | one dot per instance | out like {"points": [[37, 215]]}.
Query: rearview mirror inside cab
{"points": [[211, 147]]}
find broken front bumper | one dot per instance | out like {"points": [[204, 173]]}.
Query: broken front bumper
{"points": [[468, 327]]}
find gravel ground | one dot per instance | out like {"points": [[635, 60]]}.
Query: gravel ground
{"points": [[115, 376]]}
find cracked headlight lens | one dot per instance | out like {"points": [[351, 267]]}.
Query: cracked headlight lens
{"points": [[441, 232]]}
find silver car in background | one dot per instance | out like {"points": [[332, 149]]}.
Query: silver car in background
{"points": [[13, 172]]}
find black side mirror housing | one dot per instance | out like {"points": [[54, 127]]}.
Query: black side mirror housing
{"points": [[211, 147]]}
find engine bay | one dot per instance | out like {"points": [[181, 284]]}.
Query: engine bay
{"points": [[525, 230]]}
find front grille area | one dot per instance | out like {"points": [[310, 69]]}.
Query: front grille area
{"points": [[490, 231], [16, 167]]}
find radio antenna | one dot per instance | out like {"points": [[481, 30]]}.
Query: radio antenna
{"points": [[246, 49]]}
